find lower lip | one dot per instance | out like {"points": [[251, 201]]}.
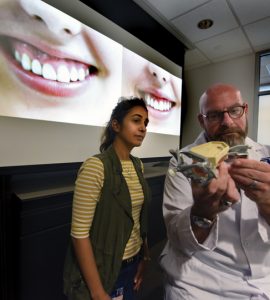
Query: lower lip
{"points": [[157, 114], [229, 133], [44, 86], [139, 138]]}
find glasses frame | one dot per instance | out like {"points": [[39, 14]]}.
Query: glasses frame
{"points": [[221, 113]]}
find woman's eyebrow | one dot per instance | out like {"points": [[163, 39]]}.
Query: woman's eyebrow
{"points": [[140, 116]]}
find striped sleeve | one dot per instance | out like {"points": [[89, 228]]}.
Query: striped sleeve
{"points": [[86, 195]]}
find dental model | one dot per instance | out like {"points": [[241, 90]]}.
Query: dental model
{"points": [[204, 160]]}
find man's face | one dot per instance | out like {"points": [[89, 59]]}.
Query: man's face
{"points": [[232, 131]]}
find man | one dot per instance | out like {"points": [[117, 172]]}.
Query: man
{"points": [[219, 234]]}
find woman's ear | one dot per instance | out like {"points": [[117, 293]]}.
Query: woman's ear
{"points": [[115, 125]]}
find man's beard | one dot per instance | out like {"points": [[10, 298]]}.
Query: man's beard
{"points": [[231, 136]]}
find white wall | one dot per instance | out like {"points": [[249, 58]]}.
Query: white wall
{"points": [[239, 72]]}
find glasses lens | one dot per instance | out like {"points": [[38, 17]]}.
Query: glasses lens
{"points": [[214, 116], [236, 112]]}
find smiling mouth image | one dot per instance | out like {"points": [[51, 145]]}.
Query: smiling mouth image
{"points": [[47, 73], [158, 103]]}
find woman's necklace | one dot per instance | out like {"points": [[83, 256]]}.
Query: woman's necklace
{"points": [[127, 168]]}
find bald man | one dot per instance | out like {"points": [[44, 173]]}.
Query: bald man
{"points": [[219, 234]]}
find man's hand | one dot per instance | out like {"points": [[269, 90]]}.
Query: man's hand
{"points": [[254, 178], [217, 196]]}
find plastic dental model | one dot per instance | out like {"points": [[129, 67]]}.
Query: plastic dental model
{"points": [[204, 159]]}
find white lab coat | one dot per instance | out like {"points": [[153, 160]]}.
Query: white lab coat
{"points": [[234, 261]]}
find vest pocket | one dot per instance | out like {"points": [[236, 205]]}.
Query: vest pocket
{"points": [[79, 291]]}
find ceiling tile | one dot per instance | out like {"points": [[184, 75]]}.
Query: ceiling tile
{"points": [[172, 8], [217, 10], [250, 10], [257, 33], [224, 44], [232, 55], [194, 58], [240, 27]]}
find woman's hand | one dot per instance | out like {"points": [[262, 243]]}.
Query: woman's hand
{"points": [[101, 296], [139, 275]]}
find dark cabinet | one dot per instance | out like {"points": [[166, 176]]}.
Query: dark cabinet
{"points": [[157, 231], [44, 227]]}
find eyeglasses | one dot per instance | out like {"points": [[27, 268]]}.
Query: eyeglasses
{"points": [[234, 112]]}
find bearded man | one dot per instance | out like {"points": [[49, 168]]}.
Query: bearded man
{"points": [[219, 234]]}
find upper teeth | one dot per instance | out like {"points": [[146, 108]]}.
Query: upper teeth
{"points": [[47, 71], [159, 105]]}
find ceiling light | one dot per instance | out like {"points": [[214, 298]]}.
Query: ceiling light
{"points": [[205, 24]]}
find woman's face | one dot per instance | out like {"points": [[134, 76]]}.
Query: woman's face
{"points": [[52, 67], [132, 131], [160, 89]]}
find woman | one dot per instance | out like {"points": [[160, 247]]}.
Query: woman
{"points": [[109, 213], [53, 67]]}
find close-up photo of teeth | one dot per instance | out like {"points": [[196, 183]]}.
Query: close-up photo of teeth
{"points": [[158, 104], [55, 68], [160, 89], [61, 73]]}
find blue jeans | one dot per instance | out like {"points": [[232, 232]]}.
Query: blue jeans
{"points": [[125, 282]]}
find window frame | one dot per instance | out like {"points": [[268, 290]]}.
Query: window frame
{"points": [[257, 90]]}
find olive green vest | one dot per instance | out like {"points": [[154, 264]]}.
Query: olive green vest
{"points": [[111, 227]]}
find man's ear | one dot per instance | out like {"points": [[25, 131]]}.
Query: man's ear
{"points": [[246, 111], [115, 125], [201, 120]]}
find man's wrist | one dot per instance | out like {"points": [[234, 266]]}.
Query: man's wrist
{"points": [[203, 213], [202, 222]]}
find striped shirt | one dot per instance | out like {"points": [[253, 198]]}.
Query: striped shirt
{"points": [[86, 196]]}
